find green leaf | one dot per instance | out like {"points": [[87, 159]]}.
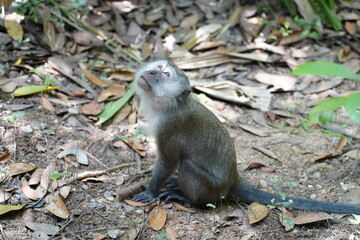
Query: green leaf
{"points": [[323, 68], [324, 111], [111, 108], [352, 106], [48, 81], [355, 220], [7, 208], [211, 205], [330, 15], [32, 89]]}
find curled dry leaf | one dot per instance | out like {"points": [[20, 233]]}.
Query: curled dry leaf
{"points": [[157, 218], [80, 154], [19, 168], [253, 165], [4, 195], [57, 207], [311, 217], [28, 191], [257, 212]]}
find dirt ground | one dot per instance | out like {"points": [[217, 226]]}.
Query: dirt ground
{"points": [[92, 213], [273, 148]]}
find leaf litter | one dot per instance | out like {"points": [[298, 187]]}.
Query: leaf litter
{"points": [[92, 65]]}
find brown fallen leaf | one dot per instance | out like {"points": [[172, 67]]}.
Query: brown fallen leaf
{"points": [[123, 113], [341, 144], [354, 154], [28, 191], [182, 208], [19, 168], [257, 212], [311, 217], [46, 104], [92, 77], [115, 91], [135, 204], [253, 165], [5, 158], [157, 218], [92, 108], [171, 233], [57, 207], [122, 75]]}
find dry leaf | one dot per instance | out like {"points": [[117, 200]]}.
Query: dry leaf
{"points": [[87, 39], [92, 77], [257, 212], [253, 165], [28, 191], [123, 113], [92, 108], [19, 168], [40, 191], [57, 207], [255, 130], [341, 144], [61, 65], [354, 154], [351, 27], [4, 195], [46, 104], [286, 83], [49, 29], [42, 227], [311, 217], [5, 158], [135, 204], [157, 218], [345, 54], [115, 91], [13, 27], [122, 75], [171, 233], [182, 208], [45, 176]]}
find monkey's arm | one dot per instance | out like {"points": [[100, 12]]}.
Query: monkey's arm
{"points": [[160, 173]]}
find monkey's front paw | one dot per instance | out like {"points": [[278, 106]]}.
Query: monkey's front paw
{"points": [[144, 197]]}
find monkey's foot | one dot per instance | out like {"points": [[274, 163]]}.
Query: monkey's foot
{"points": [[145, 196], [172, 183], [173, 195]]}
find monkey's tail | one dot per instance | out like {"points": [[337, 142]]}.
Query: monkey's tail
{"points": [[248, 194]]}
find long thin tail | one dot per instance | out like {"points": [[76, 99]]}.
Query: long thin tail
{"points": [[248, 194]]}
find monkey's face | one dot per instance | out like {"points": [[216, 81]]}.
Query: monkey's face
{"points": [[162, 82]]}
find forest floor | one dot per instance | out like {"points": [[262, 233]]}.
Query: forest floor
{"points": [[274, 147]]}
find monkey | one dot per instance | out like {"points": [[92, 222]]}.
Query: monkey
{"points": [[194, 143]]}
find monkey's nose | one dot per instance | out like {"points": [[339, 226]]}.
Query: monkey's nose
{"points": [[151, 72]]}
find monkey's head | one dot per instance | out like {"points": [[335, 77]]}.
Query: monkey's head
{"points": [[162, 84]]}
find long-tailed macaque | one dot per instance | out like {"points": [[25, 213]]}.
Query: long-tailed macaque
{"points": [[192, 140]]}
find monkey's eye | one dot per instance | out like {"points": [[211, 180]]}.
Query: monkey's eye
{"points": [[160, 67], [167, 74]]}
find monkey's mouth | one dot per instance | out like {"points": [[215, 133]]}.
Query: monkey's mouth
{"points": [[143, 83]]}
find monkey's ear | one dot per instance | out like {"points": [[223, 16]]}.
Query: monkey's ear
{"points": [[183, 95]]}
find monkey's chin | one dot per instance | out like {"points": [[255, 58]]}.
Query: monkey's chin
{"points": [[143, 84]]}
